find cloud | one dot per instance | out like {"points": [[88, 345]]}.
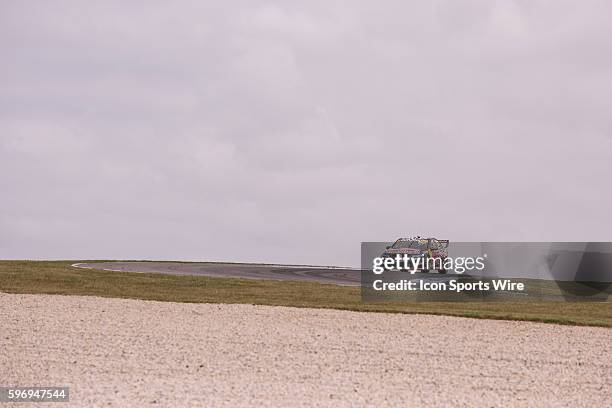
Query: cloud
{"points": [[291, 131]]}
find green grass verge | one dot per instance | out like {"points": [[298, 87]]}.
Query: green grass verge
{"points": [[58, 277]]}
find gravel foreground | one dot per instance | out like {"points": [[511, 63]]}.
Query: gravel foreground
{"points": [[133, 353]]}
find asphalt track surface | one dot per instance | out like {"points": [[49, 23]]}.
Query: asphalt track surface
{"points": [[331, 275]]}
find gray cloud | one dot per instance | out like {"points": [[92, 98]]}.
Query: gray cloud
{"points": [[291, 131]]}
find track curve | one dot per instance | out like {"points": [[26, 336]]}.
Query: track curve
{"points": [[336, 276]]}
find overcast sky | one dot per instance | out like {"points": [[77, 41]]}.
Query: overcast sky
{"points": [[292, 131]]}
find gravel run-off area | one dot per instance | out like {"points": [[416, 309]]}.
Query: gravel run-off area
{"points": [[133, 353]]}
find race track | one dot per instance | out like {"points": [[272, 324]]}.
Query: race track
{"points": [[337, 276]]}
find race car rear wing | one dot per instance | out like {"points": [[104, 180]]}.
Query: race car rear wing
{"points": [[443, 242]]}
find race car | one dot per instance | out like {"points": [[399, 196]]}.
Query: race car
{"points": [[433, 252]]}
